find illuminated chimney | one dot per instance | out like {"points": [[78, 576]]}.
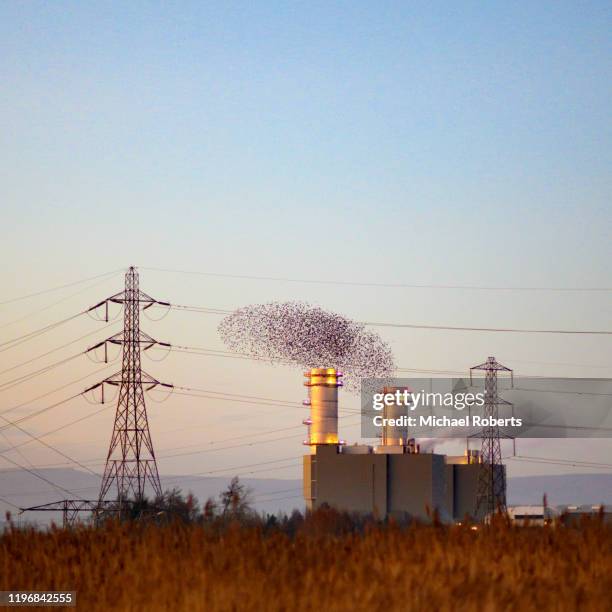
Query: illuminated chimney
{"points": [[322, 424]]}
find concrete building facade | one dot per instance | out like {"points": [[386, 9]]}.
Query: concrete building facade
{"points": [[390, 484]]}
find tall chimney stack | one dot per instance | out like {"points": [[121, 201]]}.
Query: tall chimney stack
{"points": [[322, 424]]}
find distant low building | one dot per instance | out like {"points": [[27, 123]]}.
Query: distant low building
{"points": [[571, 514], [532, 515], [566, 514]]}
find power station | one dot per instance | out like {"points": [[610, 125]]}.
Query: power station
{"points": [[393, 479]]}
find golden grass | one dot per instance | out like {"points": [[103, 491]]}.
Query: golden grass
{"points": [[321, 568]]}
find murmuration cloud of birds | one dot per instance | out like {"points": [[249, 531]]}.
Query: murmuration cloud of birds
{"points": [[310, 337]]}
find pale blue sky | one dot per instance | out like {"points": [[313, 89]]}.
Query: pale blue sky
{"points": [[229, 126], [417, 142]]}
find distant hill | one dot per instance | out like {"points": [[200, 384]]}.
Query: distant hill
{"points": [[561, 489], [276, 495], [25, 490]]}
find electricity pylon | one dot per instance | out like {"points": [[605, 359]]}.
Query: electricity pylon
{"points": [[491, 492], [130, 463]]}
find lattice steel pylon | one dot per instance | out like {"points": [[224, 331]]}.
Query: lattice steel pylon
{"points": [[130, 463], [491, 492]]}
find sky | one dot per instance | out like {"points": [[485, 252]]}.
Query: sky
{"points": [[439, 143]]}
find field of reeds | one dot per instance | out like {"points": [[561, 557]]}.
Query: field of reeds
{"points": [[325, 562]]}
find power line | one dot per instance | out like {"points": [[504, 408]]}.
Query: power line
{"points": [[9, 344], [100, 461], [563, 363], [48, 433], [211, 450], [194, 350], [24, 378], [240, 395], [559, 461], [253, 402], [43, 491], [12, 447], [19, 365], [240, 467], [35, 414], [243, 437], [278, 498], [490, 329], [84, 280], [252, 435], [22, 467], [374, 284], [225, 354], [8, 503], [515, 330], [38, 438], [270, 495], [249, 399], [198, 475], [53, 391], [203, 309], [426, 371], [559, 392], [49, 306], [206, 352], [182, 481]]}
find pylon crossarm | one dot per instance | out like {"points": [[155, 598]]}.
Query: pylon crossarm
{"points": [[118, 338], [96, 346]]}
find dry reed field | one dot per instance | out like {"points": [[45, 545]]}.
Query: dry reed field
{"points": [[321, 564]]}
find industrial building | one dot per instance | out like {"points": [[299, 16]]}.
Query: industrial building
{"points": [[532, 515], [393, 479], [574, 514]]}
